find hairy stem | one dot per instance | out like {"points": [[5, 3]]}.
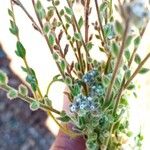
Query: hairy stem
{"points": [[119, 58], [29, 100], [136, 71]]}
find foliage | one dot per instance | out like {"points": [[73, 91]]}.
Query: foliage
{"points": [[97, 89]]}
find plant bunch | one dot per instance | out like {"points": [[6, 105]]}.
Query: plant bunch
{"points": [[98, 89]]}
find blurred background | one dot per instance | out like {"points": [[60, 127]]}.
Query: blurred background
{"points": [[22, 129]]}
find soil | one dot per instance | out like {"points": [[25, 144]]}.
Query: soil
{"points": [[20, 128]]}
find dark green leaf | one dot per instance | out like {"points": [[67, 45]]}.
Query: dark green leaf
{"points": [[64, 118], [13, 29], [127, 55], [137, 59], [137, 41], [21, 52], [89, 46], [68, 81], [131, 87], [144, 70], [63, 65], [51, 39]]}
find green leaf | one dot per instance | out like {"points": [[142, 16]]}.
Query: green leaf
{"points": [[103, 6], [68, 19], [32, 81], [62, 12], [77, 36], [137, 59], [55, 56], [57, 2], [105, 80], [80, 22], [69, 11], [47, 101], [39, 5], [12, 94], [144, 70], [128, 74], [137, 41], [109, 31], [68, 81], [65, 118], [42, 14], [3, 78], [50, 13], [21, 52], [51, 39], [11, 14], [35, 105], [63, 65], [115, 49], [127, 55], [131, 87], [128, 41], [119, 28], [23, 90], [46, 28], [13, 29], [89, 46]]}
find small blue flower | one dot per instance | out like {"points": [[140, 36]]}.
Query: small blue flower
{"points": [[90, 76]]}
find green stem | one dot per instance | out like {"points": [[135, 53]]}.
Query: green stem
{"points": [[29, 99], [18, 38], [136, 71]]}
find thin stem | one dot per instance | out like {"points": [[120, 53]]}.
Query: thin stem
{"points": [[100, 21], [29, 16], [24, 59], [29, 99], [86, 12], [119, 58], [78, 29], [64, 129], [64, 28], [124, 78], [136, 71], [46, 38]]}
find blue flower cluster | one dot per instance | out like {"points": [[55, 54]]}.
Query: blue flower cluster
{"points": [[89, 77], [83, 103], [89, 103]]}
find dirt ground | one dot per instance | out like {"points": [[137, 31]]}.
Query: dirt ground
{"points": [[20, 128]]}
